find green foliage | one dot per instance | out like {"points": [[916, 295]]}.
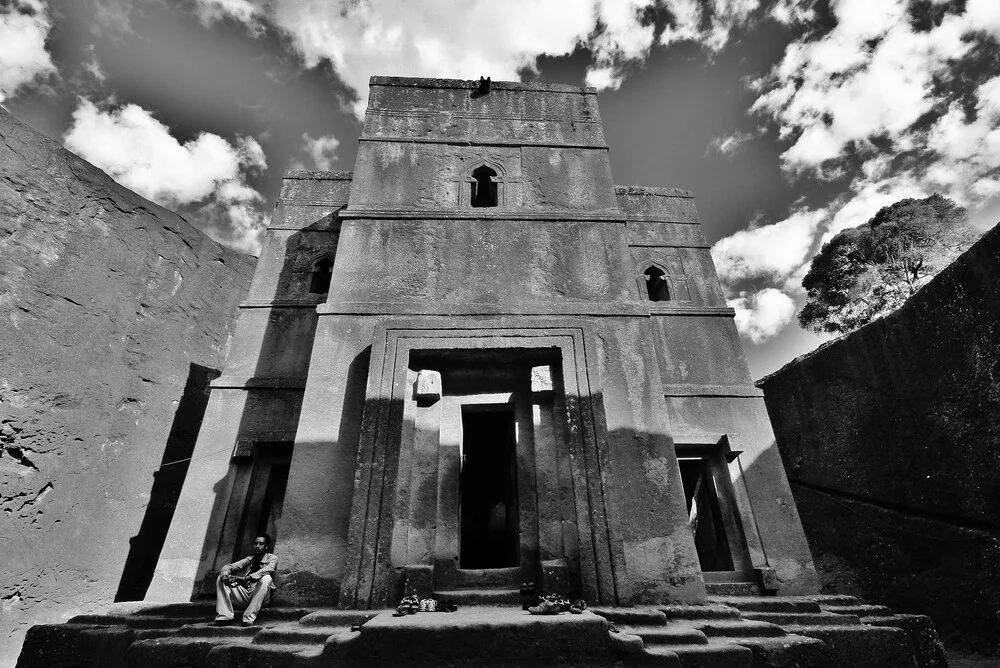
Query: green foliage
{"points": [[867, 271]]}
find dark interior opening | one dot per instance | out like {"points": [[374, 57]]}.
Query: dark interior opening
{"points": [[266, 497], [322, 271], [490, 527], [484, 190], [656, 285], [705, 515]]}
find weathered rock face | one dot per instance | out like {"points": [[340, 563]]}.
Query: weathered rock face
{"points": [[113, 313], [889, 439]]}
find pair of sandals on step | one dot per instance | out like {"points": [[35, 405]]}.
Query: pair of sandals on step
{"points": [[553, 604], [411, 605]]}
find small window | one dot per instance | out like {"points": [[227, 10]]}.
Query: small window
{"points": [[322, 271], [484, 188], [657, 286]]}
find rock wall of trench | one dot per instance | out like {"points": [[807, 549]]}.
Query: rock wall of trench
{"points": [[114, 315], [889, 436]]}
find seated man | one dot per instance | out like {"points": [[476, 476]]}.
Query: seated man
{"points": [[250, 587]]}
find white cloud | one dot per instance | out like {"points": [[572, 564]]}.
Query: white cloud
{"points": [[24, 27], [686, 24], [624, 38], [139, 152], [861, 101], [731, 143], [871, 76], [450, 38], [459, 39], [865, 200], [244, 11], [769, 251], [92, 66], [322, 150], [761, 315]]}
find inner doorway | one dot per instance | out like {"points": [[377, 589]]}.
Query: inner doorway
{"points": [[490, 527]]}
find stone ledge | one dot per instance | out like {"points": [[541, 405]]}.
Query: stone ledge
{"points": [[693, 390], [651, 191], [664, 308], [513, 215], [472, 84], [310, 175], [283, 303], [465, 142], [440, 309], [250, 382]]}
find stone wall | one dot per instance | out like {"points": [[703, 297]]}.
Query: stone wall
{"points": [[114, 316], [889, 436]]}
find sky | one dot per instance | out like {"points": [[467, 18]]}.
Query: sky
{"points": [[790, 120]]}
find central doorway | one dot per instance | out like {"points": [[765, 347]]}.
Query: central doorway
{"points": [[490, 526]]}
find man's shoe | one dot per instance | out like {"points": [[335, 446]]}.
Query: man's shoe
{"points": [[246, 623], [546, 607], [223, 621]]}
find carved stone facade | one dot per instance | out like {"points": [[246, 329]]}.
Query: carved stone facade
{"points": [[513, 371]]}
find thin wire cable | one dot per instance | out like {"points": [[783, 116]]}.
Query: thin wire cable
{"points": [[192, 459]]}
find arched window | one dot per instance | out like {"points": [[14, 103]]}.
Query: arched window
{"points": [[484, 188], [657, 286], [322, 270]]}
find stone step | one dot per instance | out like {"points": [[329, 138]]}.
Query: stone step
{"points": [[861, 610], [281, 613], [337, 618], [176, 651], [861, 645], [632, 616], [788, 651], [476, 578], [831, 599], [713, 655], [294, 635], [230, 632], [478, 636], [725, 628], [924, 640], [671, 634], [476, 597], [733, 589], [813, 618], [195, 609], [710, 611], [271, 654], [767, 603], [137, 621]]}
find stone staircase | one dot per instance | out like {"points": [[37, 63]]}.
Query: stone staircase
{"points": [[725, 632], [483, 587]]}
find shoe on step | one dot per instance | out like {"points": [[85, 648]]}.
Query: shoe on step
{"points": [[546, 608]]}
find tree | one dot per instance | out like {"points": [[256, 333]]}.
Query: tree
{"points": [[864, 272]]}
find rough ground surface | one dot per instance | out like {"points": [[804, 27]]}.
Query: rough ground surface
{"points": [[106, 302], [889, 438]]}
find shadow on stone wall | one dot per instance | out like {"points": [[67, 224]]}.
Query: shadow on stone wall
{"points": [[911, 563], [889, 438], [167, 482]]}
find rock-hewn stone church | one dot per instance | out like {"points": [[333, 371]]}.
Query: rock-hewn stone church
{"points": [[475, 362], [475, 368]]}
